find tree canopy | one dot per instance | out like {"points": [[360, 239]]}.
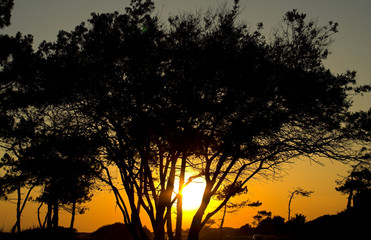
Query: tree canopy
{"points": [[202, 92], [5, 12]]}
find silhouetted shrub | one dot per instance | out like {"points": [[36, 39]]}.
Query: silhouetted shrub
{"points": [[59, 233], [275, 225], [246, 229], [116, 231]]}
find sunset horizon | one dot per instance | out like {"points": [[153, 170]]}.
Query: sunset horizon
{"points": [[185, 115]]}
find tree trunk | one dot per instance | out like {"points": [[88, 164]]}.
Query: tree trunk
{"points": [[194, 231], [179, 211], [222, 222], [20, 208], [163, 202], [17, 224], [169, 226], [73, 213], [38, 215], [55, 220], [289, 207], [159, 230], [179, 216], [350, 197], [48, 216], [196, 225]]}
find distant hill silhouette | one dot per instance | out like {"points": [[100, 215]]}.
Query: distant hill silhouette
{"points": [[345, 225]]}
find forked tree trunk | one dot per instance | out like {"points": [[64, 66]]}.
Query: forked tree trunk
{"points": [[20, 208], [194, 231], [159, 230], [163, 202], [196, 225]]}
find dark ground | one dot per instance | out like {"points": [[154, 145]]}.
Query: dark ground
{"points": [[343, 226]]}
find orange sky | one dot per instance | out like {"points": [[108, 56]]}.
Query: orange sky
{"points": [[272, 193], [351, 50]]}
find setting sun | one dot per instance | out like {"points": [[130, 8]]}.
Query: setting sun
{"points": [[192, 195]]}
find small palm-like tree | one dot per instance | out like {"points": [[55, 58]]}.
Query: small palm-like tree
{"points": [[297, 191]]}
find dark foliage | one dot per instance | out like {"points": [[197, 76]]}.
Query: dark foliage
{"points": [[115, 231], [42, 234], [246, 229], [5, 12], [275, 225], [357, 185]]}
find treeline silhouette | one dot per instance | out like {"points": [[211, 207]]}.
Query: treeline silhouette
{"points": [[349, 224]]}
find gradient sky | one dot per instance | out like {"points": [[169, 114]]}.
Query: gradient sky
{"points": [[351, 50]]}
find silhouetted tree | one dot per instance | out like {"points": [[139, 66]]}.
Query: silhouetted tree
{"points": [[53, 155], [357, 182], [202, 92], [14, 180], [261, 215], [296, 224], [231, 207], [62, 157], [358, 179], [299, 219], [221, 195], [269, 225], [297, 191], [247, 229]]}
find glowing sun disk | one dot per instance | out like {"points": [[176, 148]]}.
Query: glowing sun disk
{"points": [[192, 195]]}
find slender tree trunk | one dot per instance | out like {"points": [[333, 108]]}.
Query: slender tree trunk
{"points": [[17, 224], [47, 220], [179, 216], [350, 197], [169, 226], [73, 213], [135, 226], [179, 211], [55, 219], [49, 214], [20, 208], [38, 215], [222, 222], [289, 207]]}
